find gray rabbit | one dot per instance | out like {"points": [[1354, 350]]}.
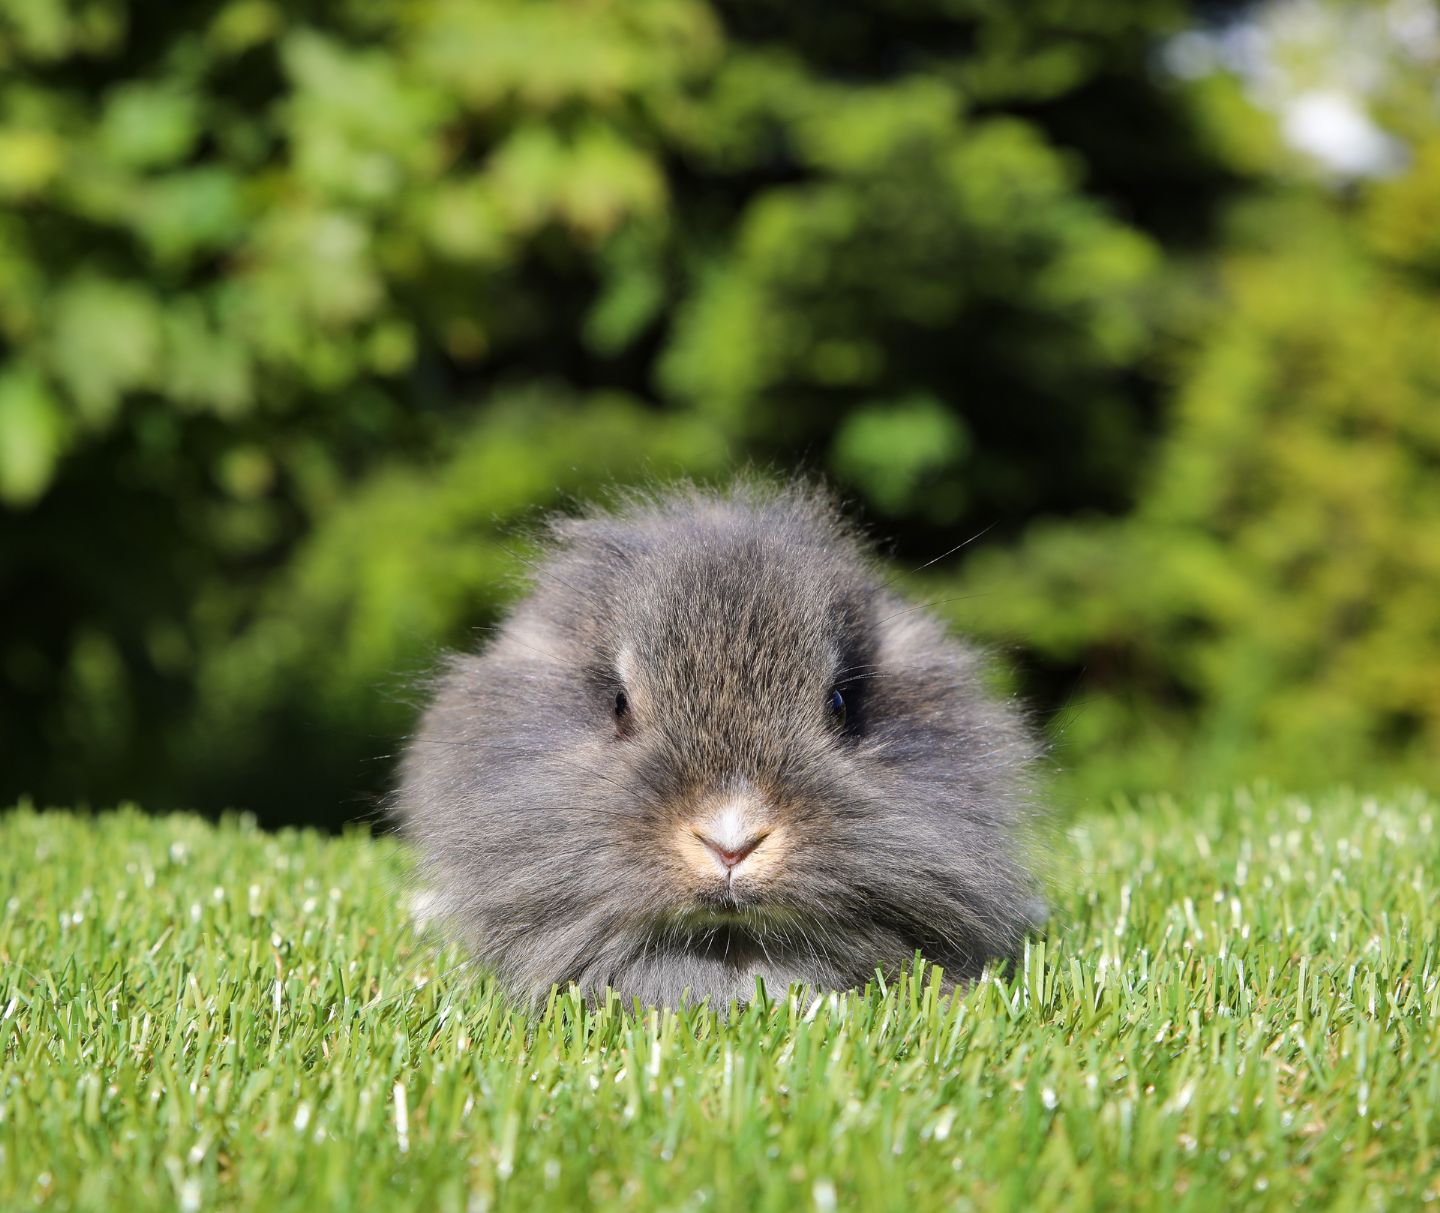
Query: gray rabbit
{"points": [[711, 745]]}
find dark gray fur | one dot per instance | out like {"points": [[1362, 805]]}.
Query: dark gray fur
{"points": [[544, 826]]}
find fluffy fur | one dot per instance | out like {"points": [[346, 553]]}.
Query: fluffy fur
{"points": [[587, 793]]}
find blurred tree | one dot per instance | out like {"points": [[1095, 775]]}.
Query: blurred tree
{"points": [[1272, 606], [260, 263]]}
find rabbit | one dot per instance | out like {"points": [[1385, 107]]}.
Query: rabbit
{"points": [[712, 746]]}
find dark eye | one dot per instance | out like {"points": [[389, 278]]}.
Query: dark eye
{"points": [[622, 705], [837, 706]]}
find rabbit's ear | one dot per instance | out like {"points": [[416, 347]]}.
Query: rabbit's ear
{"points": [[569, 531], [904, 635], [611, 539], [915, 648]]}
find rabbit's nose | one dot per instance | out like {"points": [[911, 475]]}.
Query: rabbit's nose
{"points": [[722, 841], [731, 853]]}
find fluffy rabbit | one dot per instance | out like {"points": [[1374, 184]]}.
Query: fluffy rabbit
{"points": [[712, 746]]}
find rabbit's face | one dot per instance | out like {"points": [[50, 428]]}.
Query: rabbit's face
{"points": [[733, 711], [711, 747]]}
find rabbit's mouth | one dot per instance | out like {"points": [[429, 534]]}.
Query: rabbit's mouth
{"points": [[780, 945], [709, 917]]}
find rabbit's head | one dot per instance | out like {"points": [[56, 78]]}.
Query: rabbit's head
{"points": [[712, 746]]}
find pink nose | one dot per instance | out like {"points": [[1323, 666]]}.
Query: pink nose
{"points": [[730, 856]]}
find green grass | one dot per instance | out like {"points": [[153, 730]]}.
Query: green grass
{"points": [[1239, 1007]]}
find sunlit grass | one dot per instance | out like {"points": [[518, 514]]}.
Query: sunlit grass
{"points": [[1237, 1007]]}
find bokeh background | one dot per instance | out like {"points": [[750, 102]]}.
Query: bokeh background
{"points": [[308, 310]]}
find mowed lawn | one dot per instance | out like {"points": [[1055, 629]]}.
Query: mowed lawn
{"points": [[1238, 1006]]}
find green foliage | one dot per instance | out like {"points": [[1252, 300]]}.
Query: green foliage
{"points": [[1271, 603], [1237, 1005], [277, 283], [306, 314], [905, 457]]}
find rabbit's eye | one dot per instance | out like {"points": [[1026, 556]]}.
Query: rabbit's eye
{"points": [[624, 721], [837, 706]]}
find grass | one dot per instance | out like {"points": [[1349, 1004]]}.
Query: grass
{"points": [[1239, 1007]]}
